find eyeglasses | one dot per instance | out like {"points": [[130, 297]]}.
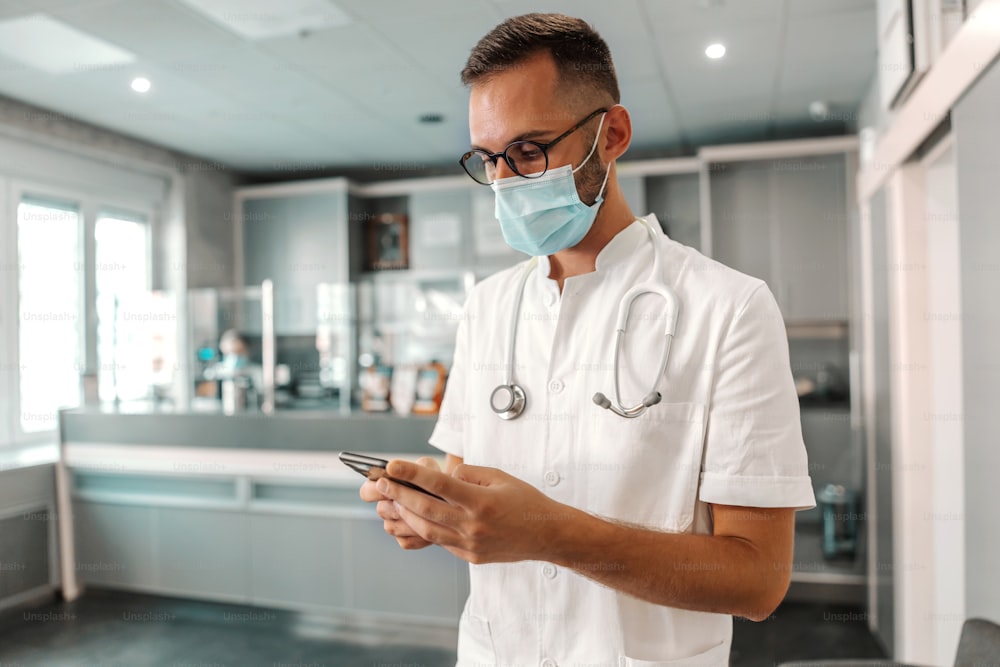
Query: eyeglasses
{"points": [[528, 159]]}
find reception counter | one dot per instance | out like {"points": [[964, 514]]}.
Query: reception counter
{"points": [[313, 430], [254, 509]]}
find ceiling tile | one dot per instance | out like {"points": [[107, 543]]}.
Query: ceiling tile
{"points": [[264, 19], [350, 96], [157, 29], [685, 16], [51, 45], [815, 7]]}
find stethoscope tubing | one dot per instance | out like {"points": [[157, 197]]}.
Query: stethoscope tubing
{"points": [[517, 398]]}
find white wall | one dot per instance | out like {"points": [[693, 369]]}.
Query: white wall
{"points": [[943, 320], [190, 201], [977, 149]]}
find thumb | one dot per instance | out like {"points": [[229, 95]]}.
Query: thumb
{"points": [[428, 462], [480, 475]]}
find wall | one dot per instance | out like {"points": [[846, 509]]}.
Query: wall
{"points": [[190, 202], [977, 146], [193, 243], [28, 536]]}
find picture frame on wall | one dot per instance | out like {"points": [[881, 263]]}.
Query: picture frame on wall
{"points": [[388, 242]]}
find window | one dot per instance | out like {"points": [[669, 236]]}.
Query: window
{"points": [[121, 272], [50, 300]]}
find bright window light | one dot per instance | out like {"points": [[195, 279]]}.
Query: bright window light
{"points": [[141, 84], [50, 327], [123, 310]]}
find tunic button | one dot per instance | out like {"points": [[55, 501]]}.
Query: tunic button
{"points": [[552, 478], [549, 570], [556, 386]]}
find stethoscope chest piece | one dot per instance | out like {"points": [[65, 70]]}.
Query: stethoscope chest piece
{"points": [[514, 397]]}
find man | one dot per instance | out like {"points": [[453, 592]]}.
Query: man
{"points": [[595, 539]]}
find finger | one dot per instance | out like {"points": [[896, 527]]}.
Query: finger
{"points": [[386, 509], [428, 462], [369, 493], [437, 482], [432, 531], [478, 475], [410, 543], [398, 529]]}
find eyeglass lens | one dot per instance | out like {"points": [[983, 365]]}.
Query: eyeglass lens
{"points": [[525, 158]]}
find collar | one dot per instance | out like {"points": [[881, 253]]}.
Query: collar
{"points": [[619, 248]]}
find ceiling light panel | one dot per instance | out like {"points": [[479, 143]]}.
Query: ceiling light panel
{"points": [[263, 19], [44, 43]]}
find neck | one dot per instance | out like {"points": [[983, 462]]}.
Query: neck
{"points": [[614, 216]]}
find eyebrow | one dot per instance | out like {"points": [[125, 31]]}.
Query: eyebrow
{"points": [[524, 136]]}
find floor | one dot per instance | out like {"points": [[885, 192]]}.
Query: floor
{"points": [[112, 629]]}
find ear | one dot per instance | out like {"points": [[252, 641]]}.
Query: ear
{"points": [[618, 134]]}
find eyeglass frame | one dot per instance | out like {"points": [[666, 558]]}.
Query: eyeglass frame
{"points": [[494, 157]]}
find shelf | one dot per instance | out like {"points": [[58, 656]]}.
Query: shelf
{"points": [[830, 330]]}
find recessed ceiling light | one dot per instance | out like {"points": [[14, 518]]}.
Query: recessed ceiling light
{"points": [[43, 42], [141, 84], [715, 51], [262, 19]]}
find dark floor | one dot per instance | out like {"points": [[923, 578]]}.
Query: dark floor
{"points": [[105, 629]]}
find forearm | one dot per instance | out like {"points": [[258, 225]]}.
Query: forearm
{"points": [[698, 572]]}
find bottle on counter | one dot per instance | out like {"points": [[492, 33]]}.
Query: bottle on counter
{"points": [[430, 388], [376, 382], [403, 388]]}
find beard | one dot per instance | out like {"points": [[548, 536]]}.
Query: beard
{"points": [[590, 178]]}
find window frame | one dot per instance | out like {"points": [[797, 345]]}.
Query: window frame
{"points": [[91, 203]]}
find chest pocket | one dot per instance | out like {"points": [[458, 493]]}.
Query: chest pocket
{"points": [[644, 470]]}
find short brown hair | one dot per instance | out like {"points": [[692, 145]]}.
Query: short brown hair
{"points": [[581, 56]]}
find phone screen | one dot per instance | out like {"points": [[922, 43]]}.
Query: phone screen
{"points": [[373, 469]]}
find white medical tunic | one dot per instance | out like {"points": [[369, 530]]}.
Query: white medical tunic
{"points": [[727, 431]]}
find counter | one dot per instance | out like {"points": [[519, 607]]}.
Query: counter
{"points": [[253, 509], [303, 430]]}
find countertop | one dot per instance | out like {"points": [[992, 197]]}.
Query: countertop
{"points": [[301, 430]]}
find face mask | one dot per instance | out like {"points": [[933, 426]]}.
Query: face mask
{"points": [[234, 361], [541, 216]]}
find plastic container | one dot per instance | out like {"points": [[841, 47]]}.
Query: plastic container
{"points": [[839, 509]]}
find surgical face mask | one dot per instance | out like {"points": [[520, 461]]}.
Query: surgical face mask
{"points": [[541, 216], [234, 361]]}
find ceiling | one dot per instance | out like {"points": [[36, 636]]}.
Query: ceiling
{"points": [[349, 95]]}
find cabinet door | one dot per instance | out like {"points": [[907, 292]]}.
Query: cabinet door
{"points": [[203, 553], [741, 217], [266, 229], [634, 191], [115, 545], [422, 583], [675, 201], [298, 242], [440, 222], [298, 560], [809, 204]]}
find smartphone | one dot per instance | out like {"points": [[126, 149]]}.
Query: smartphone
{"points": [[372, 468]]}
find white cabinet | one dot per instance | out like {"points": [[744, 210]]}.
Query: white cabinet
{"points": [[298, 241], [287, 543], [440, 228], [809, 263], [785, 222]]}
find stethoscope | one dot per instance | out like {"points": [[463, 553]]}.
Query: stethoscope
{"points": [[513, 394]]}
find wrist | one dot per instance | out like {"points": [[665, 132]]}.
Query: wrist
{"points": [[572, 537]]}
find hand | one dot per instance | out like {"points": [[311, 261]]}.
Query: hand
{"points": [[405, 536], [487, 516]]}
